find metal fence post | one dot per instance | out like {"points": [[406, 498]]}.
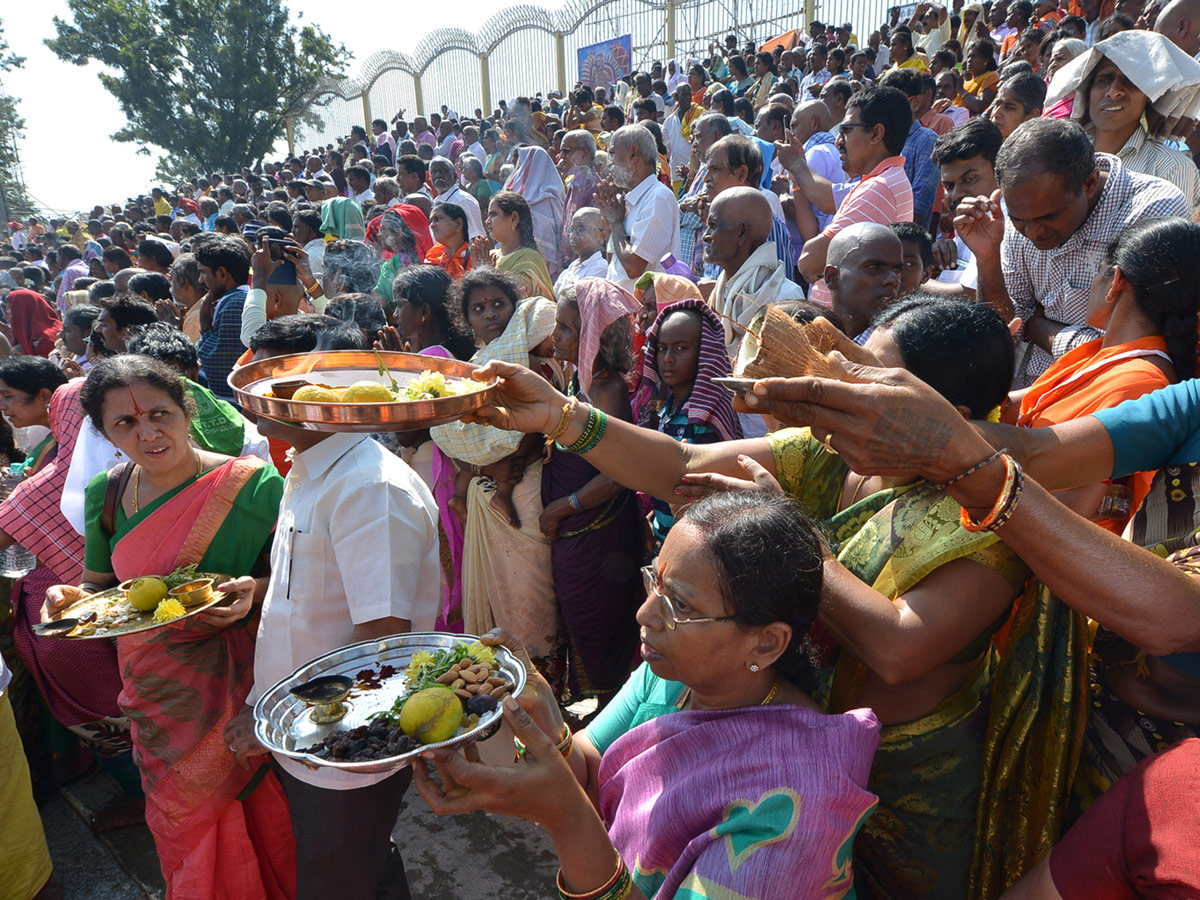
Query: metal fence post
{"points": [[810, 13], [486, 83], [560, 43], [366, 111], [291, 136], [417, 91], [671, 29]]}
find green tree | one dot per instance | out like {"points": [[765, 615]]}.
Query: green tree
{"points": [[12, 126], [211, 82]]}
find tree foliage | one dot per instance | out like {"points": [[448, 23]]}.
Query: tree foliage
{"points": [[11, 130], [211, 82]]}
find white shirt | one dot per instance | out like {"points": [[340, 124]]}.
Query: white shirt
{"points": [[365, 197], [316, 256], [357, 541], [652, 223], [595, 266], [966, 272], [678, 149], [225, 208], [477, 150], [470, 206], [19, 240]]}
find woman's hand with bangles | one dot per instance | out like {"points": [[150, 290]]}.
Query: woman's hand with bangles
{"points": [[542, 789], [537, 698], [525, 400], [882, 421]]}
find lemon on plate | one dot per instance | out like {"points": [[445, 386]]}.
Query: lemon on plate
{"points": [[145, 593], [432, 715], [367, 392]]}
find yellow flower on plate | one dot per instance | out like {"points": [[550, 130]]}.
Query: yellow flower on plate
{"points": [[482, 654], [419, 659], [167, 610]]}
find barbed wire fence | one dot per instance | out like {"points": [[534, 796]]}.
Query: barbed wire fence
{"points": [[524, 49]]}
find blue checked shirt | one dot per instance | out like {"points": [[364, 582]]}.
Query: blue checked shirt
{"points": [[221, 345], [922, 174]]}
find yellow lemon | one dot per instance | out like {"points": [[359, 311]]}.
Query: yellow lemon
{"points": [[144, 593], [432, 715], [312, 393], [367, 392]]}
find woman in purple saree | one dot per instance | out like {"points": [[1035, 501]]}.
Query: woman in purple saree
{"points": [[712, 773]]}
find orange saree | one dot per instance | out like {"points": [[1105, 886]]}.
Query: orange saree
{"points": [[221, 830], [1092, 377]]}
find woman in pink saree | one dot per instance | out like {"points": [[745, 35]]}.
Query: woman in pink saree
{"points": [[712, 773], [220, 828]]}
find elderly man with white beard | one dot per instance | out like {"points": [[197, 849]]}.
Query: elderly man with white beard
{"points": [[640, 209]]}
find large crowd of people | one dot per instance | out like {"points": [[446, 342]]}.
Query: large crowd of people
{"points": [[943, 572]]}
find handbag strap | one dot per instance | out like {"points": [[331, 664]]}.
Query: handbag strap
{"points": [[118, 479]]}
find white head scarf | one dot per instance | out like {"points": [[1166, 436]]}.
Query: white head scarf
{"points": [[1153, 64]]}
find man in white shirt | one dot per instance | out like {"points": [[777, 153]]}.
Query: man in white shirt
{"points": [[358, 179], [474, 147], [445, 182], [679, 148], [306, 229], [640, 209], [355, 558], [588, 233]]}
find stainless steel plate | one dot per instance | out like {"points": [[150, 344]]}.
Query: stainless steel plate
{"points": [[341, 368], [282, 722]]}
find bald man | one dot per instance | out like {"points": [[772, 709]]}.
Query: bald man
{"points": [[810, 126], [862, 270], [737, 239], [1180, 21], [121, 279]]}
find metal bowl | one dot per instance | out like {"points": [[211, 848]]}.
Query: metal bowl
{"points": [[283, 722], [193, 592], [341, 368]]}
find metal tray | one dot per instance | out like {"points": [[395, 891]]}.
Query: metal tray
{"points": [[282, 722], [341, 368], [103, 599]]}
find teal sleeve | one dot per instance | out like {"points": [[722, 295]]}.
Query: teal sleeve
{"points": [[1159, 429], [97, 543], [617, 718]]}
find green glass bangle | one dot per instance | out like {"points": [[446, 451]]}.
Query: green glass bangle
{"points": [[593, 431]]}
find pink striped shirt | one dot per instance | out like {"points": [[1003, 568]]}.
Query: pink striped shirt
{"points": [[883, 195]]}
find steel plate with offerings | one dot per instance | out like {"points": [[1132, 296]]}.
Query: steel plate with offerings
{"points": [[139, 604], [360, 390], [376, 705]]}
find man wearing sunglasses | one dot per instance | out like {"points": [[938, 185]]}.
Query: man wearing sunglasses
{"points": [[869, 144]]}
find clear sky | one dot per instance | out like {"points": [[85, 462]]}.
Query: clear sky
{"points": [[69, 161]]}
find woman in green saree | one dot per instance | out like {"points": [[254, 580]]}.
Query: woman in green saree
{"points": [[510, 222], [215, 822], [912, 649]]}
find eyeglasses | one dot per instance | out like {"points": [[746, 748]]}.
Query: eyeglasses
{"points": [[580, 229], [846, 125], [670, 614]]}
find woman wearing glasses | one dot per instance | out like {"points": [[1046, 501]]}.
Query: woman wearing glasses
{"points": [[765, 791], [913, 598]]}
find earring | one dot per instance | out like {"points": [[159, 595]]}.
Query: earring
{"points": [[753, 667]]}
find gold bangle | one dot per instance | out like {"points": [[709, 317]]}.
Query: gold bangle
{"points": [[564, 422]]}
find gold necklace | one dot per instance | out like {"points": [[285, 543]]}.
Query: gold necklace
{"points": [[772, 693], [137, 479], [766, 701]]}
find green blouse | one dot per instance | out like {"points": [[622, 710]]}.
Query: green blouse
{"points": [[237, 548]]}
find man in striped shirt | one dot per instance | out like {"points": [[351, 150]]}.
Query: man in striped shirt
{"points": [[1065, 205], [871, 140]]}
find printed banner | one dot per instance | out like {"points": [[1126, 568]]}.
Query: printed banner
{"points": [[602, 64]]}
